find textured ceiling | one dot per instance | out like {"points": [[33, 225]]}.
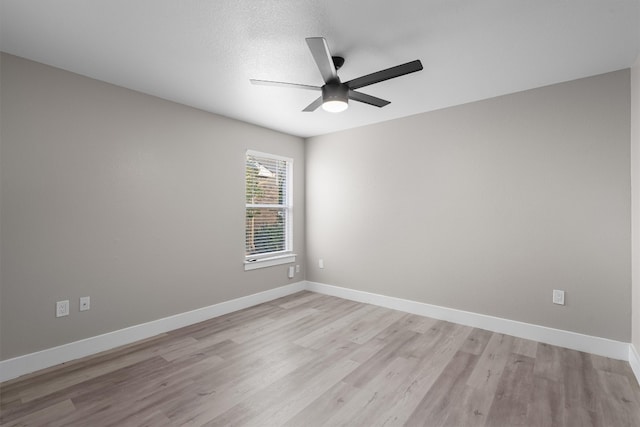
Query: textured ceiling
{"points": [[203, 53]]}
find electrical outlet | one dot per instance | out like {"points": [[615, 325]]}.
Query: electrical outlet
{"points": [[85, 303], [62, 308], [558, 297], [298, 268], [320, 263], [291, 272]]}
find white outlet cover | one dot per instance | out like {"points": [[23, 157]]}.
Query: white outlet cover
{"points": [[85, 303], [558, 297]]}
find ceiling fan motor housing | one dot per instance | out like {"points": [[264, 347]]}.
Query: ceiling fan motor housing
{"points": [[335, 92]]}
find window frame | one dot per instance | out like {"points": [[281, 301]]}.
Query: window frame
{"points": [[268, 259]]}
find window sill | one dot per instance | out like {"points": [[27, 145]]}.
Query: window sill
{"points": [[256, 263]]}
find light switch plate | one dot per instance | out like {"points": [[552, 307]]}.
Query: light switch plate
{"points": [[62, 308]]}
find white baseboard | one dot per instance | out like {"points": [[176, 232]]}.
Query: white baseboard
{"points": [[634, 361], [21, 365], [575, 341]]}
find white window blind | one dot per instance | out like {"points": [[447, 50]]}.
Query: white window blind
{"points": [[268, 205]]}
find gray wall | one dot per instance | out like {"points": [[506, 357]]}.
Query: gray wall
{"points": [[138, 203], [635, 200], [485, 207], [134, 201]]}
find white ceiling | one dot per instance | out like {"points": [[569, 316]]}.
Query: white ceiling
{"points": [[202, 53]]}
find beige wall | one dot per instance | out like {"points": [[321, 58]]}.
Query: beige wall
{"points": [[635, 200], [485, 207], [134, 201]]}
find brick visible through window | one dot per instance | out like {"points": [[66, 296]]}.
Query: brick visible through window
{"points": [[268, 204]]}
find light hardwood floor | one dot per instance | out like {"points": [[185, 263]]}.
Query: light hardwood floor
{"points": [[311, 360]]}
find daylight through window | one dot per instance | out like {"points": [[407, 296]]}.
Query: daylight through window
{"points": [[268, 205]]}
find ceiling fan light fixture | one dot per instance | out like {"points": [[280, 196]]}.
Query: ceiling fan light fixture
{"points": [[334, 106], [335, 97]]}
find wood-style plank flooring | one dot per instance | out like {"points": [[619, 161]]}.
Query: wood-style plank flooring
{"points": [[314, 360]]}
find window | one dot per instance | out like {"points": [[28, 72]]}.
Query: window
{"points": [[268, 227]]}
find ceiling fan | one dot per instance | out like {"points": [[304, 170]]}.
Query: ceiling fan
{"points": [[335, 94]]}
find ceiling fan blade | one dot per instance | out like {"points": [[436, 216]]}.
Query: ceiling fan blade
{"points": [[367, 99], [283, 84], [322, 56], [389, 73], [314, 105]]}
